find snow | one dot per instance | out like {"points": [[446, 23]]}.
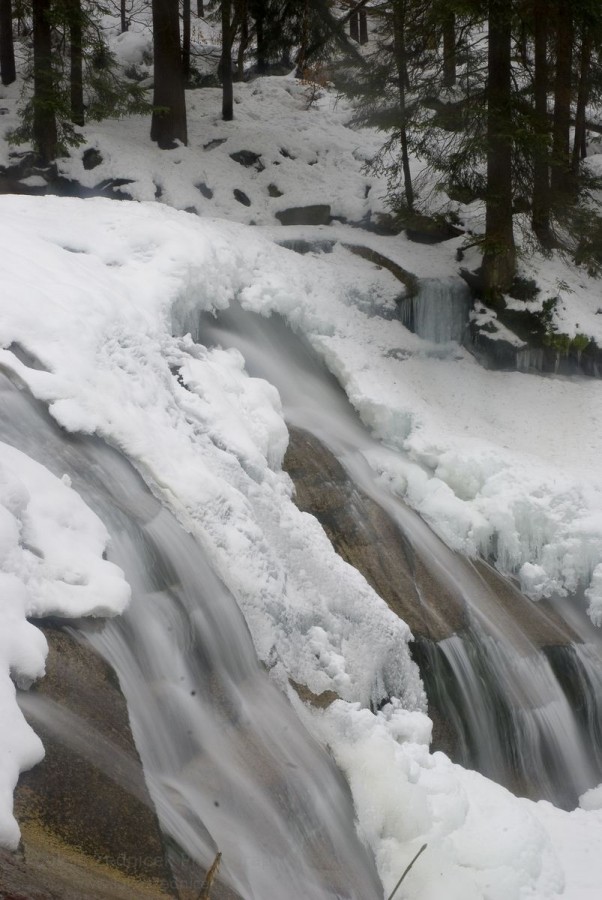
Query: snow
{"points": [[51, 564], [478, 452], [502, 463]]}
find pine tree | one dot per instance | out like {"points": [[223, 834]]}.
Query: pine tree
{"points": [[168, 123], [7, 49]]}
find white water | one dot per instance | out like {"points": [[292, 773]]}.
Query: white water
{"points": [[439, 310], [228, 764], [538, 742]]}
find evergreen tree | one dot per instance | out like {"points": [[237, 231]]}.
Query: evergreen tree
{"points": [[168, 123], [7, 49]]}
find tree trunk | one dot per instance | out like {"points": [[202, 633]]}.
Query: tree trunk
{"points": [[7, 48], [244, 39], [449, 50], [262, 58], [186, 41], [560, 168], [200, 9], [363, 26], [579, 145], [304, 47], [540, 220], [354, 27], [45, 137], [499, 260], [74, 13], [168, 123], [399, 21], [123, 15], [226, 62]]}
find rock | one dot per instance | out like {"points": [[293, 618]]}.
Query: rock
{"points": [[274, 191], [204, 189], [88, 824], [248, 159], [367, 538], [91, 158], [241, 197], [317, 214], [216, 142]]}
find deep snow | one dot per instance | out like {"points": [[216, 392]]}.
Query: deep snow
{"points": [[502, 463]]}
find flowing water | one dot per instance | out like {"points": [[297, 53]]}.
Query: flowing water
{"points": [[228, 764], [512, 716]]}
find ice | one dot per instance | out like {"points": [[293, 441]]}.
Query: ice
{"points": [[502, 464], [51, 564]]}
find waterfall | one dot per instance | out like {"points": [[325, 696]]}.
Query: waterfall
{"points": [[508, 712], [228, 763], [438, 312]]}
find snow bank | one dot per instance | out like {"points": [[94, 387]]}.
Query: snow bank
{"points": [[92, 289], [51, 564]]}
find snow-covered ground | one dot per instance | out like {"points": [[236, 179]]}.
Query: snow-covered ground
{"points": [[500, 462]]}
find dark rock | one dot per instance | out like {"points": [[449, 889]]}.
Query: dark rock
{"points": [[88, 824], [113, 187], [274, 191], [91, 158], [301, 246], [216, 142], [367, 538], [248, 159], [204, 189], [317, 214], [158, 191], [284, 152], [241, 197]]}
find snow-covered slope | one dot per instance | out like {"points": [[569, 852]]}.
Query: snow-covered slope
{"points": [[92, 289]]}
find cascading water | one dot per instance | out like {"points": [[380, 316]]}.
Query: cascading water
{"points": [[229, 765], [494, 686], [438, 312]]}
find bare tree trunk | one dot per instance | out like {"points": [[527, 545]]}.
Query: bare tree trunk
{"points": [[354, 27], [303, 49], [244, 39], [200, 9], [45, 136], [186, 40], [499, 260], [74, 13], [7, 48], [123, 15], [579, 145], [399, 23], [226, 62], [561, 169], [449, 49], [168, 123], [363, 26], [540, 220]]}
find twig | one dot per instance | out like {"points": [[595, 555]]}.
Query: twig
{"points": [[422, 849], [209, 878]]}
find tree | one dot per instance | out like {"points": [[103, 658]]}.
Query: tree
{"points": [[7, 49], [44, 128], [168, 123], [228, 32], [499, 260], [75, 23]]}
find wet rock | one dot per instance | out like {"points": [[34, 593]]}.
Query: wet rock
{"points": [[91, 158], [241, 197], [316, 214], [367, 538], [205, 190], [248, 159], [88, 825]]}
